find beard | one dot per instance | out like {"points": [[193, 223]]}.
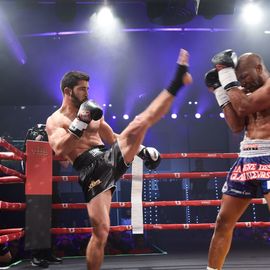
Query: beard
{"points": [[256, 84], [76, 101]]}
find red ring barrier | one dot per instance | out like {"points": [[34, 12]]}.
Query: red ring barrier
{"points": [[9, 156], [149, 176], [7, 170], [10, 235], [21, 206], [19, 233], [12, 148], [10, 180], [16, 233], [198, 155]]}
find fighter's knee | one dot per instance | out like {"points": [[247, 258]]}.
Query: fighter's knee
{"points": [[101, 233], [223, 224]]}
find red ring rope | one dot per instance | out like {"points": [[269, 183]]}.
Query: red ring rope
{"points": [[20, 206], [199, 155], [11, 236], [17, 233], [9, 156], [10, 180], [122, 228], [149, 176], [12, 148], [160, 227], [9, 171]]}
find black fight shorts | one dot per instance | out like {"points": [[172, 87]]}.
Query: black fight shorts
{"points": [[99, 169]]}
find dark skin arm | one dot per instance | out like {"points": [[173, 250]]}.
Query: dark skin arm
{"points": [[258, 100], [233, 120], [247, 104]]}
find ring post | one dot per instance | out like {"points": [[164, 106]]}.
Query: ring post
{"points": [[38, 191]]}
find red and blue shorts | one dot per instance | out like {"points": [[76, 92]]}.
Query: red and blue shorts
{"points": [[250, 174]]}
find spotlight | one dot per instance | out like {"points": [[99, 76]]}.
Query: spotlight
{"points": [[190, 102], [110, 105], [104, 105], [252, 13], [195, 102], [198, 115], [173, 115], [125, 116], [105, 17], [113, 117], [221, 115]]}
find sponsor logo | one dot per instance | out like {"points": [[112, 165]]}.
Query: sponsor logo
{"points": [[251, 147], [95, 152], [250, 171], [40, 151], [225, 187], [94, 184]]}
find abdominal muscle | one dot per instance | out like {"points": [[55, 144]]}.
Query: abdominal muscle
{"points": [[258, 126], [87, 141]]}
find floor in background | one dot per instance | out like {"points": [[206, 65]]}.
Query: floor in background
{"points": [[238, 259]]}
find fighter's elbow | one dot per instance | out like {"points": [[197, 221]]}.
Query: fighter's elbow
{"points": [[58, 150], [242, 112], [236, 129], [62, 152]]}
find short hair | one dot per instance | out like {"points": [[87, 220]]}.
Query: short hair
{"points": [[249, 60], [71, 79]]}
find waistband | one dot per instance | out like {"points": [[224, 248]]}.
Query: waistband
{"points": [[88, 157], [254, 148]]}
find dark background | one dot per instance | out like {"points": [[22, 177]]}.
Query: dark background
{"points": [[40, 41]]}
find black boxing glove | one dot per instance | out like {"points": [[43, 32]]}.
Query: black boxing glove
{"points": [[211, 79], [89, 110], [227, 58], [151, 157], [226, 74], [212, 82]]}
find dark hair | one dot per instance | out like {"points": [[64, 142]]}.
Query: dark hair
{"points": [[71, 79]]}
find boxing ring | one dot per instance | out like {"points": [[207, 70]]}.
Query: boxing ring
{"points": [[185, 260]]}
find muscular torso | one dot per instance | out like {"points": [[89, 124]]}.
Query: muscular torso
{"points": [[258, 125], [90, 138]]}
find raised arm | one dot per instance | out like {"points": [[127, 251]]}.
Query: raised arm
{"points": [[235, 122], [249, 72], [248, 104]]}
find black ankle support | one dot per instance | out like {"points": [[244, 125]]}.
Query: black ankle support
{"points": [[177, 82]]}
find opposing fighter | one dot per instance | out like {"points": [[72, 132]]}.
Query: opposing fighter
{"points": [[77, 131], [242, 90]]}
